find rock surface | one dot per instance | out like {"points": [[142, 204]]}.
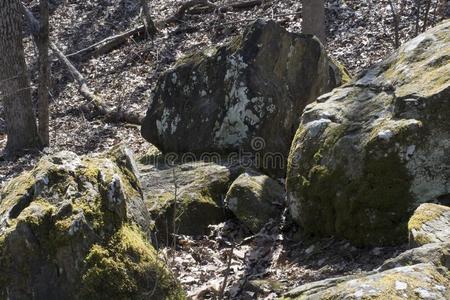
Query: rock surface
{"points": [[77, 227], [435, 253], [255, 199], [421, 281], [221, 99], [369, 153], [430, 223], [200, 193]]}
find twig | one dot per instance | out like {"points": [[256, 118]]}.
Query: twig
{"points": [[227, 273], [174, 218]]}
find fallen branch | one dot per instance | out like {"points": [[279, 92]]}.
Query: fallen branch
{"points": [[94, 105], [107, 45], [191, 29], [202, 8], [193, 7], [179, 15]]}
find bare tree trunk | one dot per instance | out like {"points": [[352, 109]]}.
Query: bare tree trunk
{"points": [[396, 20], [313, 15], [417, 26], [425, 17], [14, 83], [443, 9], [148, 22], [43, 110]]}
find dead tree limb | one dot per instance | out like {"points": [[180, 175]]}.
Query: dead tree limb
{"points": [[95, 105], [107, 45]]}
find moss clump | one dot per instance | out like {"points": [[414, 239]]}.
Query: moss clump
{"points": [[425, 213], [361, 208], [127, 267]]}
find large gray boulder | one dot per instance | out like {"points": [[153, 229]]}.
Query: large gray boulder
{"points": [[369, 153], [76, 228], [222, 99]]}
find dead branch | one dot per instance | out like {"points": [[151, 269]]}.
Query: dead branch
{"points": [[227, 273], [107, 45], [194, 6], [94, 105]]}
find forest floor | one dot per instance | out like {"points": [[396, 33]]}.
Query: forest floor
{"points": [[360, 34]]}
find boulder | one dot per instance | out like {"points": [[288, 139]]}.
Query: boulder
{"points": [[76, 227], [200, 192], [430, 223], [255, 199], [255, 87], [435, 253], [420, 281], [368, 154]]}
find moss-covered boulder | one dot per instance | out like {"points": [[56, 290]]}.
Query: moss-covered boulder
{"points": [[420, 281], [189, 196], [369, 153], [430, 223], [255, 199], [221, 99], [76, 228]]}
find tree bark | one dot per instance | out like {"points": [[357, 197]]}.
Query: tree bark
{"points": [[43, 43], [14, 83], [313, 14], [150, 27]]}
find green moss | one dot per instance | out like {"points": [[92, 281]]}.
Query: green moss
{"points": [[363, 209], [127, 267], [152, 156]]}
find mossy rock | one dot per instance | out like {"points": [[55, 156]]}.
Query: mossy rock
{"points": [[430, 223], [366, 155], [255, 199], [75, 228], [420, 281], [196, 201], [221, 99]]}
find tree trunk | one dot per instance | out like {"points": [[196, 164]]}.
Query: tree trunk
{"points": [[313, 14], [148, 22], [43, 110], [14, 83]]}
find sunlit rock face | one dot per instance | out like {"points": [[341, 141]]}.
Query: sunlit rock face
{"points": [[369, 153], [221, 99]]}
